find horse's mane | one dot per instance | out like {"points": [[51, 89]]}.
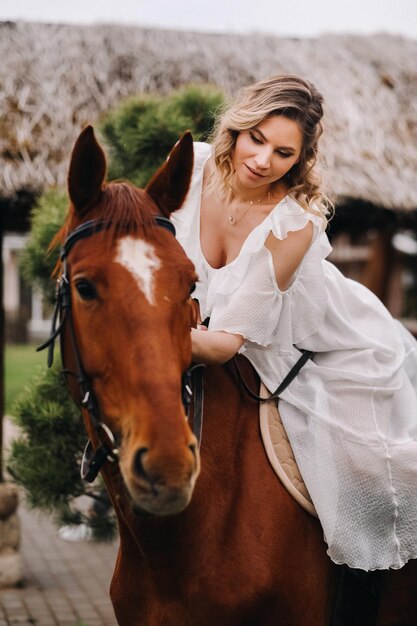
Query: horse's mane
{"points": [[121, 205]]}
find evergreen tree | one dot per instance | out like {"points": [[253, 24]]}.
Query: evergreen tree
{"points": [[36, 261], [142, 131], [46, 458]]}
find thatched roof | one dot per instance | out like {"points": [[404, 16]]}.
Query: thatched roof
{"points": [[54, 79]]}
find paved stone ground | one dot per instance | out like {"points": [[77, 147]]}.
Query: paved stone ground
{"points": [[65, 583]]}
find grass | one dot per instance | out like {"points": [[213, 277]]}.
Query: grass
{"points": [[22, 364]]}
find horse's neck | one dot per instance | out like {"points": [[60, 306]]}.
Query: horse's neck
{"points": [[230, 428]]}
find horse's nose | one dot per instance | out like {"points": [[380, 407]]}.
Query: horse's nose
{"points": [[152, 472]]}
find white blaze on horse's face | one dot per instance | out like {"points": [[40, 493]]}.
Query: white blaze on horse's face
{"points": [[139, 258]]}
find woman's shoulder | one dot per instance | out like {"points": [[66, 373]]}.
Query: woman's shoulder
{"points": [[202, 151], [288, 216], [186, 218], [290, 210]]}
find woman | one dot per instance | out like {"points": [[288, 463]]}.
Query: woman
{"points": [[253, 224]]}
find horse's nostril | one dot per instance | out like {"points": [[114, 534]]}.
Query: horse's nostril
{"points": [[165, 471], [138, 463]]}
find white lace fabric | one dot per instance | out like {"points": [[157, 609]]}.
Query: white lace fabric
{"points": [[351, 414]]}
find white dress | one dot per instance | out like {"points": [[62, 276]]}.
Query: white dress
{"points": [[351, 413]]}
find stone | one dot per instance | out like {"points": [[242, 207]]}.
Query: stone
{"points": [[8, 499], [10, 568], [10, 532]]}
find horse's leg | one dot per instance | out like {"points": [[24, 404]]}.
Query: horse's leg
{"points": [[312, 607], [357, 597], [398, 605], [141, 598]]}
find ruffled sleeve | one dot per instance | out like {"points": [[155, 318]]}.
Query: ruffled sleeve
{"points": [[244, 298]]}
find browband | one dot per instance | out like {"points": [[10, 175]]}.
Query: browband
{"points": [[95, 226]]}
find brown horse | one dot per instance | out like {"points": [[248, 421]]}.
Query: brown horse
{"points": [[231, 548]]}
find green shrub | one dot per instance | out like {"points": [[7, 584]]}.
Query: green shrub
{"points": [[36, 263], [45, 459], [141, 132]]}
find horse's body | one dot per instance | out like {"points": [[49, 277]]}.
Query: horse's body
{"points": [[235, 549], [242, 553]]}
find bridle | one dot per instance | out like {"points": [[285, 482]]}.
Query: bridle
{"points": [[192, 386]]}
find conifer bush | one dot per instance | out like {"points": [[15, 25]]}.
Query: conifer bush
{"points": [[46, 458], [45, 412], [36, 263], [142, 131]]}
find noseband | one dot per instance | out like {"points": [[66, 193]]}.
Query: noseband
{"points": [[192, 387]]}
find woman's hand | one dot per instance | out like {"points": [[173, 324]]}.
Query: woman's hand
{"points": [[213, 347]]}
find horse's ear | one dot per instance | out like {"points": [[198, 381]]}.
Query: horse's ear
{"points": [[169, 186], [87, 171]]}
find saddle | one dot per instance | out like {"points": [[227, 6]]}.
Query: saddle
{"points": [[279, 452]]}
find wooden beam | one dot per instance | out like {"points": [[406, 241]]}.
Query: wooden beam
{"points": [[378, 273], [2, 341]]}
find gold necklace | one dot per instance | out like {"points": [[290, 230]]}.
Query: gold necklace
{"points": [[234, 220]]}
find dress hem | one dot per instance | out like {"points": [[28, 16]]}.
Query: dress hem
{"points": [[397, 566]]}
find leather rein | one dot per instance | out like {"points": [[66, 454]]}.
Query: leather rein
{"points": [[305, 356], [192, 383]]}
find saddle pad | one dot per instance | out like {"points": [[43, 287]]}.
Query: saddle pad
{"points": [[279, 452]]}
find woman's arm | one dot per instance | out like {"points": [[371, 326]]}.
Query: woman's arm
{"points": [[288, 253], [212, 347]]}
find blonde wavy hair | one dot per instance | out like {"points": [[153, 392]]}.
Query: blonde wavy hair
{"points": [[294, 98]]}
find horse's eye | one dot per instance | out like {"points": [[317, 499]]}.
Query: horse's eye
{"points": [[86, 290]]}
